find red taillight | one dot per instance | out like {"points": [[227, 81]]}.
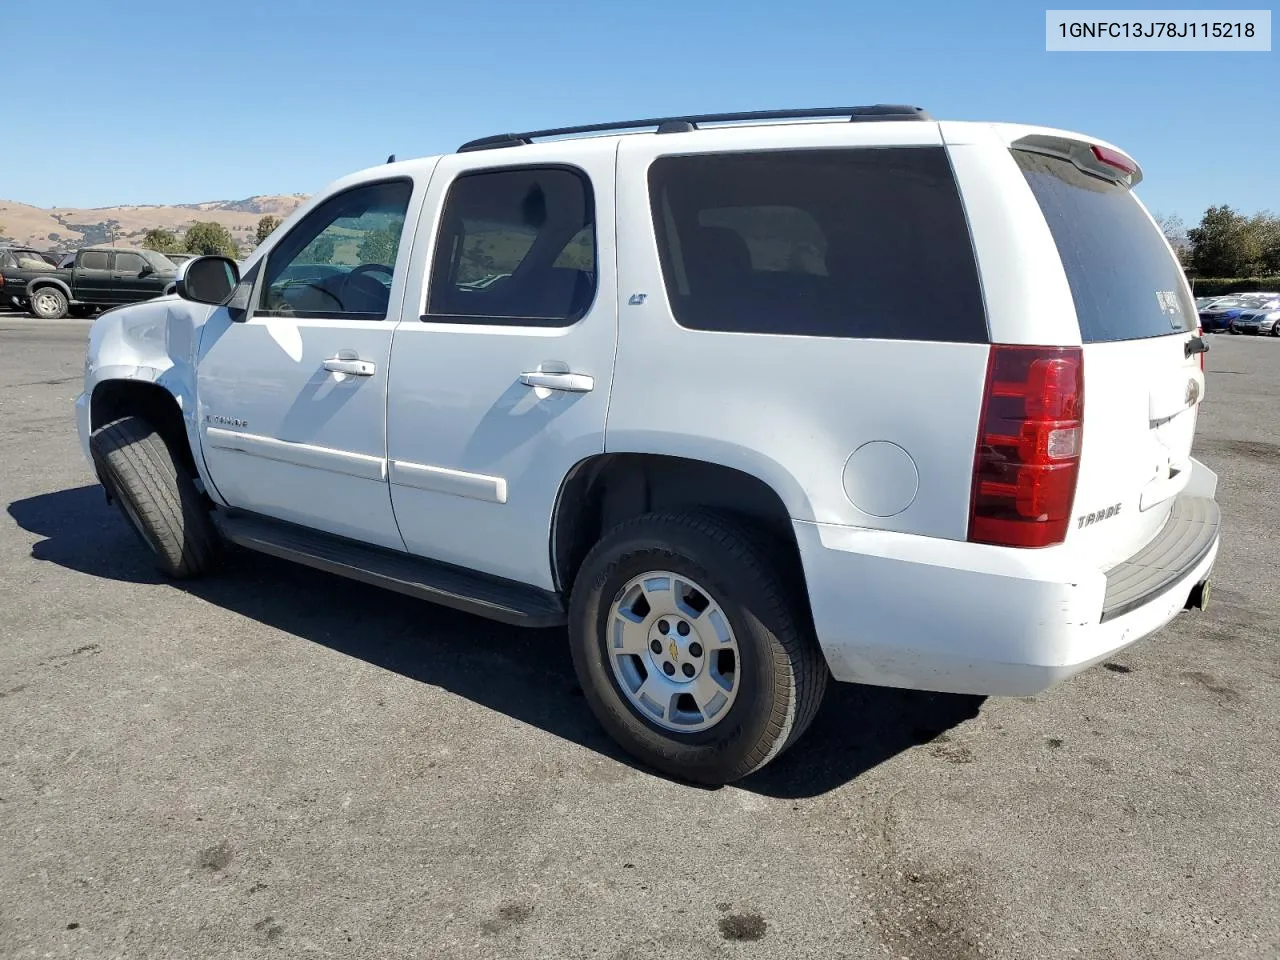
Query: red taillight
{"points": [[1029, 438], [1113, 158]]}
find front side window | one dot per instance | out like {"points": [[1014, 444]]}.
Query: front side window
{"points": [[515, 246], [864, 243], [339, 261], [129, 263]]}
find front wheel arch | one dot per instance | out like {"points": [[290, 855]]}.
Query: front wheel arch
{"points": [[115, 399]]}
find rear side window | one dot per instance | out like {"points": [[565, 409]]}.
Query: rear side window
{"points": [[869, 243], [515, 246], [1125, 283], [95, 260]]}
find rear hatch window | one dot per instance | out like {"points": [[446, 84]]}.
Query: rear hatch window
{"points": [[1142, 387], [1125, 283]]}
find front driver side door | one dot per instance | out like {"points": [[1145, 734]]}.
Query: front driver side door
{"points": [[292, 401], [128, 285]]}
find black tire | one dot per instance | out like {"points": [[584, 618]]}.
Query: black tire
{"points": [[1275, 329], [83, 310], [49, 303], [157, 496], [784, 675]]}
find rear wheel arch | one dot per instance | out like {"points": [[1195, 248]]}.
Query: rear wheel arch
{"points": [[40, 283], [604, 491], [115, 399]]}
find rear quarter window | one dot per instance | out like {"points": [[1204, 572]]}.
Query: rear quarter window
{"points": [[855, 242], [1125, 283]]}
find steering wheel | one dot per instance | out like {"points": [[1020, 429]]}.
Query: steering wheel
{"points": [[370, 288], [285, 305], [370, 268]]}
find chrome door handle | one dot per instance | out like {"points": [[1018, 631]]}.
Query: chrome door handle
{"points": [[567, 382], [356, 368]]}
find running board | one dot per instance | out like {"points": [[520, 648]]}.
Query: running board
{"points": [[487, 596]]}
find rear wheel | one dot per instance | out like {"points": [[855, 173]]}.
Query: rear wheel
{"points": [[694, 650], [157, 496], [49, 303], [1275, 329]]}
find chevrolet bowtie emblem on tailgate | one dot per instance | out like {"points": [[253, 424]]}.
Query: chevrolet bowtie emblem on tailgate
{"points": [[1193, 391]]}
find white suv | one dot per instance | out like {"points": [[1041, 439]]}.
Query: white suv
{"points": [[744, 400]]}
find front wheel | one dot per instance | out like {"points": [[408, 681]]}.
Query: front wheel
{"points": [[1275, 329], [694, 649], [157, 496], [49, 303]]}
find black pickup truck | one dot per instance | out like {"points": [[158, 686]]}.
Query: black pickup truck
{"points": [[101, 277]]}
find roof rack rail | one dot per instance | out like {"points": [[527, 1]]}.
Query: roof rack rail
{"points": [[878, 111]]}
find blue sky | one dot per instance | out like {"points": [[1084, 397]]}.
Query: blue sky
{"points": [[174, 102]]}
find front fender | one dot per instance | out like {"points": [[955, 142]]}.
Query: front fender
{"points": [[153, 342]]}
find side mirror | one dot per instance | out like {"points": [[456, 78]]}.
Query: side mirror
{"points": [[146, 271], [207, 280]]}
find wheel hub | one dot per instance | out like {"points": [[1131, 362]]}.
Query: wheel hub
{"points": [[673, 652], [675, 649]]}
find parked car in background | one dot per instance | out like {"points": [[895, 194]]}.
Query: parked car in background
{"points": [[1265, 321], [99, 277], [180, 258], [14, 260], [1218, 315], [23, 258], [68, 259]]}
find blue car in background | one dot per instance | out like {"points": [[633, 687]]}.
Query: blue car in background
{"points": [[1219, 314]]}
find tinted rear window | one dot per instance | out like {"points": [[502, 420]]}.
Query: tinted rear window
{"points": [[824, 243], [1125, 282]]}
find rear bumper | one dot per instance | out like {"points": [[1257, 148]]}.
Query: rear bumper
{"points": [[905, 611]]}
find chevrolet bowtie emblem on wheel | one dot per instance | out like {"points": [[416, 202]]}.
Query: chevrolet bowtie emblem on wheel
{"points": [[674, 650]]}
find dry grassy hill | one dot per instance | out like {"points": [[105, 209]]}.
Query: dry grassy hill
{"points": [[66, 228]]}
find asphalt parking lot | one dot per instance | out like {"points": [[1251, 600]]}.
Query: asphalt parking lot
{"points": [[277, 762]]}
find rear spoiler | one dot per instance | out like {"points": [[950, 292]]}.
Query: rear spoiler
{"points": [[1097, 159]]}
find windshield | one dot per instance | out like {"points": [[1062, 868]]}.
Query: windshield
{"points": [[160, 262]]}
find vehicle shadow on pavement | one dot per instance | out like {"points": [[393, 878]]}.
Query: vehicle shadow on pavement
{"points": [[525, 674]]}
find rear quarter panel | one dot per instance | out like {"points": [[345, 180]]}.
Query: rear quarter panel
{"points": [[791, 410]]}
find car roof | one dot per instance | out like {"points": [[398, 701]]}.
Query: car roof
{"points": [[727, 132]]}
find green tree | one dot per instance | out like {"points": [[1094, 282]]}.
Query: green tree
{"points": [[211, 237], [266, 226], [1224, 245], [379, 246], [319, 250], [162, 241], [1265, 229]]}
